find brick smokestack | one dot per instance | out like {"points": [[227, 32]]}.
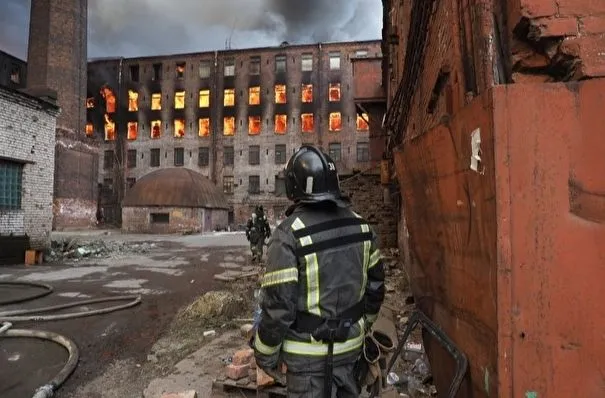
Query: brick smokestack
{"points": [[57, 61]]}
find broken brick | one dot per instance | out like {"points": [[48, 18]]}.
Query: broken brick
{"points": [[242, 357], [588, 49], [553, 27], [263, 379], [184, 394], [534, 9], [593, 24], [235, 372]]}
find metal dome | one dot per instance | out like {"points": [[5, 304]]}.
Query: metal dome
{"points": [[175, 187]]}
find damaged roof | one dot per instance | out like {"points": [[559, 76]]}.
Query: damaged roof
{"points": [[175, 187]]}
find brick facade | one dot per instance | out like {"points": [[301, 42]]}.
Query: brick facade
{"points": [[27, 138], [57, 59], [180, 220], [116, 74]]}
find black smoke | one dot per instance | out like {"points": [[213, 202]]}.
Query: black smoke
{"points": [[148, 27]]}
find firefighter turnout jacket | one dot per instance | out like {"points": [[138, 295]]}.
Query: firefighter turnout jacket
{"points": [[321, 262]]}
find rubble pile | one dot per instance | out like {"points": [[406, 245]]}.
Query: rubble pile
{"points": [[411, 374], [76, 250]]}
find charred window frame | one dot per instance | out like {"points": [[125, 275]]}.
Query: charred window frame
{"points": [[133, 131], [280, 186], [229, 68], [204, 100], [254, 155], [179, 128], [281, 94], [179, 100], [204, 127], [133, 101], [157, 72], [130, 181], [335, 122], [281, 63], [108, 160], [156, 129], [110, 129], [307, 93], [229, 125], [228, 153], [156, 101], [203, 159], [15, 75], [334, 60], [334, 92], [254, 185], [154, 158], [363, 122], [134, 73], [254, 67], [281, 124], [108, 184], [229, 97], [11, 184], [307, 123], [90, 130], [205, 69], [254, 95], [307, 62], [90, 103], [280, 154], [131, 159], [180, 70], [363, 152], [179, 157], [254, 125], [335, 151], [228, 184]]}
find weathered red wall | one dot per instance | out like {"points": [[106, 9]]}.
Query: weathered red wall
{"points": [[510, 260]]}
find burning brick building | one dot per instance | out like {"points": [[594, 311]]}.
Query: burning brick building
{"points": [[234, 116]]}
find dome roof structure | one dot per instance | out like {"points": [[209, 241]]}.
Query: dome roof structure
{"points": [[175, 187]]}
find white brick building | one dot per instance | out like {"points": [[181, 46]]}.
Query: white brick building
{"points": [[27, 161]]}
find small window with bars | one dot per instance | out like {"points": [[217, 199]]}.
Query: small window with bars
{"points": [[228, 156], [179, 156], [280, 154], [204, 157], [131, 160], [154, 159], [11, 182], [228, 184], [254, 155]]}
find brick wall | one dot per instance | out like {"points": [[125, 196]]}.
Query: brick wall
{"points": [[137, 219], [27, 136], [375, 204]]}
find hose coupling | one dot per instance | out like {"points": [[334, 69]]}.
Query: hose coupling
{"points": [[46, 391]]}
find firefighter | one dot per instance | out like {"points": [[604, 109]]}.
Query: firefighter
{"points": [[324, 284], [254, 236]]}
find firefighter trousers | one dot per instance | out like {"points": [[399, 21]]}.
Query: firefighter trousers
{"points": [[311, 385]]}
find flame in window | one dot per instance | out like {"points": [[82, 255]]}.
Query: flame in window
{"points": [[133, 101], [308, 125], [179, 128], [335, 121], [307, 93], [180, 70], [229, 99], [362, 122], [110, 129], [229, 125], [179, 100], [204, 98], [133, 130], [156, 129], [204, 127], [254, 125], [156, 102], [90, 103], [90, 129], [254, 96], [110, 99], [280, 94], [334, 92], [281, 123]]}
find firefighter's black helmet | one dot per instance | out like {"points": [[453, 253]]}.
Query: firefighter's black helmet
{"points": [[311, 176]]}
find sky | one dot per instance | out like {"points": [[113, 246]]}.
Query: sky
{"points": [[133, 28]]}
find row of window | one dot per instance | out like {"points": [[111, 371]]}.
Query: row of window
{"points": [[307, 125], [254, 66], [334, 150], [254, 97]]}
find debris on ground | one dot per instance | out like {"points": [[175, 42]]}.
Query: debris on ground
{"points": [[213, 306], [184, 394], [73, 249]]}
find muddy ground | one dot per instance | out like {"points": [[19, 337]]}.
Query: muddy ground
{"points": [[114, 347], [159, 345]]}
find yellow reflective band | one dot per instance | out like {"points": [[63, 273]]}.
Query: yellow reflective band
{"points": [[263, 348], [366, 260], [279, 277], [316, 349], [375, 258], [312, 271]]}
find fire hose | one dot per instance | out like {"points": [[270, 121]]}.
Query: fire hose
{"points": [[49, 389]]}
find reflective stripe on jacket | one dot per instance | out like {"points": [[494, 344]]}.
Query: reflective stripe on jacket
{"points": [[321, 260]]}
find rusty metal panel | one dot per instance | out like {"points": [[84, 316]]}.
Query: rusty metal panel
{"points": [[551, 195], [451, 217]]}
